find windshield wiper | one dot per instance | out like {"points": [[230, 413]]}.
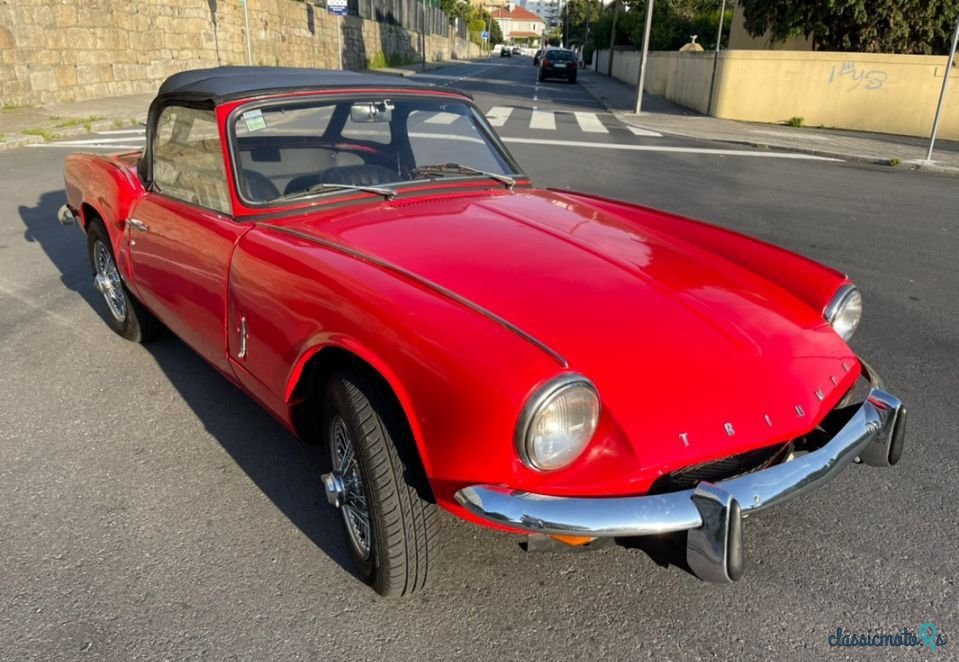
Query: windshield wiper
{"points": [[316, 189], [458, 168]]}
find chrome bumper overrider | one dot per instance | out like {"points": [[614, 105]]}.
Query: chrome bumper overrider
{"points": [[712, 511]]}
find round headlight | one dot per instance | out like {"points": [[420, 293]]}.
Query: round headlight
{"points": [[557, 423], [844, 311]]}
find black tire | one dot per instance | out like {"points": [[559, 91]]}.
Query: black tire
{"points": [[125, 315], [542, 78], [401, 516], [572, 79]]}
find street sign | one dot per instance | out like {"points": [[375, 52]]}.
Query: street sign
{"points": [[484, 35], [336, 7]]}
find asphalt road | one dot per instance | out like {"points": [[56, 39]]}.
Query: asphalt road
{"points": [[149, 510]]}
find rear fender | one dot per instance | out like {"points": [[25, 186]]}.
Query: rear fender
{"points": [[106, 188]]}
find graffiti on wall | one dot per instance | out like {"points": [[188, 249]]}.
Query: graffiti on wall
{"points": [[871, 79]]}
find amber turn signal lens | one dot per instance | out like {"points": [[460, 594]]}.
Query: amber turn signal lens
{"points": [[573, 541]]}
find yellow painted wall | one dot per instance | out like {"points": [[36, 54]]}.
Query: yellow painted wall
{"points": [[861, 91], [681, 77]]}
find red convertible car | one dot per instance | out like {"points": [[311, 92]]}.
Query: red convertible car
{"points": [[363, 256]]}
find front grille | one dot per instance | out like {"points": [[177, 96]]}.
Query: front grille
{"points": [[723, 469]]}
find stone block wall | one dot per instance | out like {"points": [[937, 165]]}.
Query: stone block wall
{"points": [[67, 50]]}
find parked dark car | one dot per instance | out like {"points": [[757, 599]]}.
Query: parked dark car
{"points": [[538, 56], [517, 50], [505, 52], [558, 63]]}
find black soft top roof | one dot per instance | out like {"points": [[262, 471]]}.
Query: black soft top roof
{"points": [[221, 84]]}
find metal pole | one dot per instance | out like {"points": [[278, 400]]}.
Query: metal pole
{"points": [[340, 21], [719, 40], [423, 28], [612, 41], [942, 93], [489, 26], [246, 23], [642, 64]]}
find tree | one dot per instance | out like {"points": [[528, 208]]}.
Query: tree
{"points": [[921, 27], [577, 14], [674, 22]]}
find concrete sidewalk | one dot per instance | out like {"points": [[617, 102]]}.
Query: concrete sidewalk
{"points": [[31, 124], [665, 117], [20, 126]]}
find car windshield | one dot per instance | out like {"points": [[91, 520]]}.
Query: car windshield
{"points": [[299, 148], [559, 55]]}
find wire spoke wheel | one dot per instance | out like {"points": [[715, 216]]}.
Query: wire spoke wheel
{"points": [[378, 484], [355, 510], [108, 282]]}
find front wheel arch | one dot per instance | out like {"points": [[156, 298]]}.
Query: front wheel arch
{"points": [[306, 392]]}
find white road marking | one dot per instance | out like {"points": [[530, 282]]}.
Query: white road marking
{"points": [[543, 119], [141, 131], [636, 131], [498, 115], [442, 118], [112, 146], [589, 123], [447, 136], [680, 150], [95, 141]]}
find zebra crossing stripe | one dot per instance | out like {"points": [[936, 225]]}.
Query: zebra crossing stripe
{"points": [[442, 118], [589, 123], [636, 131], [543, 119], [498, 115]]}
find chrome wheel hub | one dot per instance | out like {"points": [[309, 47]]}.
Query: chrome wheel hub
{"points": [[108, 282], [344, 488]]}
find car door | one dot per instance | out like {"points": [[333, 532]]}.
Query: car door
{"points": [[182, 233]]}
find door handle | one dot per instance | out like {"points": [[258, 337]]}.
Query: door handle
{"points": [[137, 224]]}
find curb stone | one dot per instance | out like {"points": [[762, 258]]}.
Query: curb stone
{"points": [[16, 141]]}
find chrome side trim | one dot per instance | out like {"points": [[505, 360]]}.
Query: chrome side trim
{"points": [[425, 282], [137, 224], [872, 424]]}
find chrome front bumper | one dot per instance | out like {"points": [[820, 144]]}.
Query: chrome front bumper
{"points": [[711, 512]]}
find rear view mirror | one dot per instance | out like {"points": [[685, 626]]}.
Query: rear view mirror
{"points": [[373, 111]]}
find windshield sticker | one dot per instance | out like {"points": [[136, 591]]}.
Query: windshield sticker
{"points": [[254, 120]]}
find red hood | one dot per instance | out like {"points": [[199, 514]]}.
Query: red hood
{"points": [[678, 340]]}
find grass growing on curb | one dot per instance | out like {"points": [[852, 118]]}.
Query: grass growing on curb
{"points": [[14, 106], [70, 122], [46, 134], [894, 162], [795, 121], [381, 60]]}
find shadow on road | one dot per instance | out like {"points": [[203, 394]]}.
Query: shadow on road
{"points": [[284, 468], [64, 246]]}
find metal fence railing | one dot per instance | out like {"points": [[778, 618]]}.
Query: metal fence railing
{"points": [[418, 15]]}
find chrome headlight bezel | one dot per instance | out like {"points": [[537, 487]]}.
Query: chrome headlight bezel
{"points": [[845, 296], [537, 405]]}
